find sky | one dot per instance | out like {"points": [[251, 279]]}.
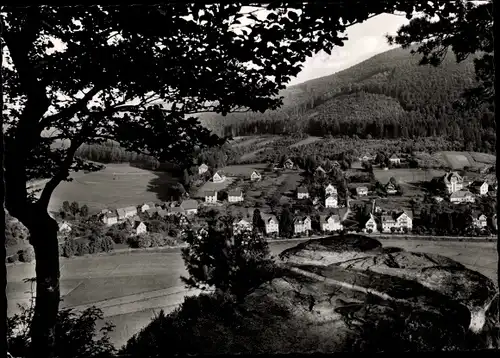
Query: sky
{"points": [[365, 40]]}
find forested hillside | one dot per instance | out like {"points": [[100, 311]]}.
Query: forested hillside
{"points": [[386, 96]]}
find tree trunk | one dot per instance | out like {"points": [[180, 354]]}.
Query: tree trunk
{"points": [[44, 240], [3, 274]]}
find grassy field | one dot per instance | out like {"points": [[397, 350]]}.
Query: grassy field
{"points": [[404, 176], [115, 186], [459, 160], [306, 141], [243, 171]]}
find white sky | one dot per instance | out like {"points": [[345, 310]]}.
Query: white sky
{"points": [[365, 40]]}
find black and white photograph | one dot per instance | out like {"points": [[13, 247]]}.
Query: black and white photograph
{"points": [[259, 178]]}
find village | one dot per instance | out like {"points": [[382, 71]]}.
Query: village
{"points": [[323, 204]]}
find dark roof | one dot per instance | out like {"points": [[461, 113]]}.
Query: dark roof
{"points": [[210, 193], [235, 192], [302, 189], [189, 204]]}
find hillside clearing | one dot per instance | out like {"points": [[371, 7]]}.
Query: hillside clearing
{"points": [[404, 176], [117, 185]]}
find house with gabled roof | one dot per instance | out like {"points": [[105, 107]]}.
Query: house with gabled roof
{"points": [[302, 193], [218, 177], [330, 223], [255, 176], [202, 169], [361, 191], [189, 206], [397, 221], [330, 189], [64, 227], [235, 195], [395, 159], [288, 164], [162, 213], [241, 225], [211, 197], [146, 206], [272, 224], [479, 187], [302, 224], [140, 228], [371, 225], [127, 212], [462, 196], [332, 201], [479, 220], [453, 182], [366, 158], [110, 218], [176, 210], [390, 188]]}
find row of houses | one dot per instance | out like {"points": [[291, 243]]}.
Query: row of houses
{"points": [[233, 196], [114, 216], [301, 225], [393, 158], [219, 177], [454, 182]]}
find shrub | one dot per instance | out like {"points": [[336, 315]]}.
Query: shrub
{"points": [[12, 258], [27, 254], [69, 248], [140, 242], [76, 334], [82, 248], [157, 240], [107, 244]]}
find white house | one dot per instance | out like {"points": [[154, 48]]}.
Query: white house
{"points": [[330, 223], [64, 227], [288, 164], [211, 197], [453, 182], [371, 224], [110, 218], [302, 224], [241, 225], [147, 206], [390, 188], [388, 222], [271, 223], [480, 187], [479, 220], [235, 196], [302, 193], [140, 228], [362, 191], [404, 220], [255, 176], [394, 159], [462, 196], [331, 201], [128, 212], [202, 169], [218, 178], [366, 158], [330, 190], [190, 206]]}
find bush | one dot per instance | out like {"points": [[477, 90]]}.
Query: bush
{"points": [[27, 254], [82, 248], [12, 258], [157, 240], [69, 248], [76, 334], [107, 244], [140, 242]]}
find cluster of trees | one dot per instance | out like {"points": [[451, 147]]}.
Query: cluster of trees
{"points": [[73, 210], [388, 96], [111, 152], [15, 232]]}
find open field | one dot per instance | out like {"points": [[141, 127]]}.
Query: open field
{"points": [[459, 160], [131, 288], [115, 186], [306, 141], [404, 176]]}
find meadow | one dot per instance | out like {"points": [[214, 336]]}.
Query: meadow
{"points": [[403, 176], [117, 185], [308, 140]]}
